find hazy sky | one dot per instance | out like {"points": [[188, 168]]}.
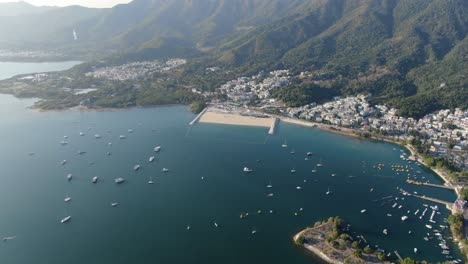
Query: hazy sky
{"points": [[89, 3]]}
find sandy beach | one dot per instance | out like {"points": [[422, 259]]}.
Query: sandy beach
{"points": [[217, 117]]}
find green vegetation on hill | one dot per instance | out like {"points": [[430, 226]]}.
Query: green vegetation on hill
{"points": [[410, 54]]}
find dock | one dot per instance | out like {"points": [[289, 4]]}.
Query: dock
{"points": [[398, 255], [273, 126], [430, 185], [435, 200], [195, 120]]}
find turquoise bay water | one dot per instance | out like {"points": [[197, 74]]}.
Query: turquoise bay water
{"points": [[10, 69], [149, 224]]}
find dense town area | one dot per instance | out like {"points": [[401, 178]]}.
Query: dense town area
{"points": [[445, 133]]}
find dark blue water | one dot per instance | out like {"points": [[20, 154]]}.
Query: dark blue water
{"points": [[149, 224]]}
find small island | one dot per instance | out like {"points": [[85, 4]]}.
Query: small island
{"points": [[328, 241]]}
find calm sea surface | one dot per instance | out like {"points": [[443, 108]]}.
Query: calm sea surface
{"points": [[10, 69], [205, 185]]}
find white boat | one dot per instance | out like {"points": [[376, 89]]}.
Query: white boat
{"points": [[165, 169], [320, 163], [293, 171], [67, 199], [69, 177], [270, 195], [97, 136], [309, 153], [63, 142], [188, 227], [114, 204], [389, 215], [269, 186], [315, 169], [385, 231], [5, 239], [151, 159], [119, 180], [63, 162], [136, 167], [293, 151], [122, 137], [285, 144], [130, 131], [215, 224], [394, 205], [429, 226], [66, 219], [82, 134], [415, 250], [95, 179], [246, 169], [157, 149], [253, 231], [298, 187], [328, 191], [151, 181], [403, 218], [363, 211], [333, 174]]}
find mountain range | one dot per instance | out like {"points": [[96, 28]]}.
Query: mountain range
{"points": [[410, 53]]}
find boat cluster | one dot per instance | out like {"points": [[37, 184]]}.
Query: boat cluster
{"points": [[95, 179]]}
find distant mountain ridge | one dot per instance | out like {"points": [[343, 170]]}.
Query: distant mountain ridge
{"points": [[422, 43], [21, 8]]}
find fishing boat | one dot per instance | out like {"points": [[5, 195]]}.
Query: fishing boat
{"points": [[95, 179], [293, 171], [216, 224], [309, 154], [114, 204], [66, 219], [165, 169], [415, 250], [151, 159], [298, 187], [385, 231], [69, 177], [157, 149], [269, 185], [63, 142], [119, 180], [63, 162], [130, 131], [253, 231], [270, 195], [429, 226], [246, 169], [97, 136], [363, 211], [188, 227], [315, 169], [5, 239], [151, 181], [67, 199], [122, 137], [82, 134], [328, 191], [293, 151], [403, 218], [136, 167]]}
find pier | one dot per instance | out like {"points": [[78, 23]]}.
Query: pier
{"points": [[195, 120], [273, 126], [398, 255], [430, 185], [447, 204]]}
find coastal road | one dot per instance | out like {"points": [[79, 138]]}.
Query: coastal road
{"points": [[465, 215]]}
